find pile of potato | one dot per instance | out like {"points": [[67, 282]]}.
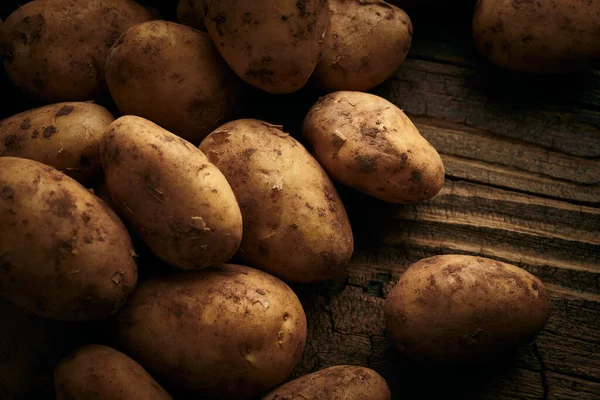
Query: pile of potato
{"points": [[136, 147]]}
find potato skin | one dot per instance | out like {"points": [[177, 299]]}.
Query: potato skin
{"points": [[341, 382], [455, 308], [95, 372], [188, 14], [295, 225], [368, 43], [274, 45], [177, 201], [369, 144], [56, 49], [247, 322], [65, 136], [566, 38], [65, 254], [172, 75]]}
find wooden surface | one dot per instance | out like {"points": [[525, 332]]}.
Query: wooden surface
{"points": [[523, 186]]}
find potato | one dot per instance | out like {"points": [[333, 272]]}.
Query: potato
{"points": [[56, 49], [565, 36], [369, 144], [188, 15], [172, 75], [63, 253], [230, 332], [367, 44], [295, 225], [65, 136], [341, 382], [177, 201], [274, 45], [455, 308], [96, 372]]}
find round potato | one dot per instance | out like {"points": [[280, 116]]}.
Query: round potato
{"points": [[63, 253], [295, 225], [56, 49], [177, 201], [65, 136], [230, 332], [274, 45], [172, 75], [368, 43], [456, 308], [341, 382], [566, 37], [187, 14], [96, 372], [369, 144]]}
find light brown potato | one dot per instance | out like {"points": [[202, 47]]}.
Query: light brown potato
{"points": [[369, 144], [56, 49], [564, 37], [231, 332], [341, 382], [274, 45], [172, 75], [188, 14], [95, 372], [368, 43], [177, 201], [65, 254], [455, 308], [65, 136], [295, 225]]}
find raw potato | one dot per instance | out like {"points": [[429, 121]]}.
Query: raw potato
{"points": [[295, 225], [65, 136], [177, 201], [56, 49], [274, 45], [369, 144], [342, 382], [96, 372], [565, 37], [455, 308], [368, 43], [65, 254], [187, 14], [231, 332], [172, 75]]}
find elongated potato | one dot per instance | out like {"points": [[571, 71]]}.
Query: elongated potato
{"points": [[274, 45], [172, 75], [96, 372], [177, 201], [56, 49], [368, 43], [231, 332], [187, 14], [369, 144], [295, 225], [65, 136], [64, 254], [341, 382], [456, 308]]}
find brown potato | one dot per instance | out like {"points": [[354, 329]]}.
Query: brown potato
{"points": [[177, 201], [341, 382], [96, 372], [172, 75], [56, 49], [455, 308], [369, 144], [295, 225], [274, 45], [65, 254], [231, 332], [65, 136], [565, 36], [368, 43], [187, 14]]}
